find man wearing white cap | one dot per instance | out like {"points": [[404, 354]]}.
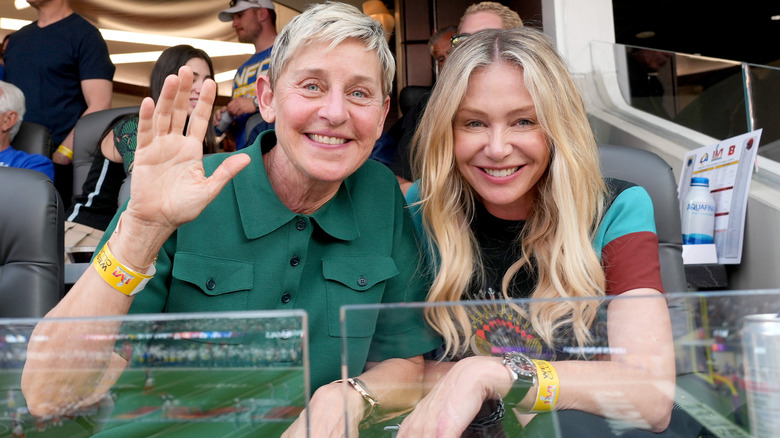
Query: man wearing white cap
{"points": [[254, 22]]}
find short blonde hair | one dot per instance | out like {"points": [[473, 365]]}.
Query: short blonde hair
{"points": [[569, 202], [509, 18], [331, 22]]}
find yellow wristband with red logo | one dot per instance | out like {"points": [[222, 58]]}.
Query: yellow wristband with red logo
{"points": [[119, 276], [64, 150], [547, 397]]}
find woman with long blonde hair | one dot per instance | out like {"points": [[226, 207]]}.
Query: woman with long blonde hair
{"points": [[511, 204]]}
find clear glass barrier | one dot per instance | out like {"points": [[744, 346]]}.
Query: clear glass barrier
{"points": [[717, 97], [723, 357], [220, 375], [763, 110]]}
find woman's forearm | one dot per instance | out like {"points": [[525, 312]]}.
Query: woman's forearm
{"points": [[67, 359], [397, 383], [617, 391]]}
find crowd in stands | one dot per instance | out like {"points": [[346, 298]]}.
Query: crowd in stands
{"points": [[488, 188]]}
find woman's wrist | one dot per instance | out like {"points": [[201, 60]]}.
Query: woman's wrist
{"points": [[538, 391], [356, 401], [138, 243], [367, 403]]}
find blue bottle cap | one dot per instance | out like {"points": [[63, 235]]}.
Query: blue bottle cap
{"points": [[700, 181]]}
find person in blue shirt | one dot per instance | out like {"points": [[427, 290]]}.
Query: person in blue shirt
{"points": [[12, 110], [255, 23]]}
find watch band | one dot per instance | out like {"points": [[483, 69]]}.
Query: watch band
{"points": [[523, 372], [360, 387]]}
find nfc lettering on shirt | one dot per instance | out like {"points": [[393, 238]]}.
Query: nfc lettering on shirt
{"points": [[240, 81], [245, 91]]}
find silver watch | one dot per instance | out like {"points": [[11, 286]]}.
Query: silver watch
{"points": [[523, 371], [521, 367]]}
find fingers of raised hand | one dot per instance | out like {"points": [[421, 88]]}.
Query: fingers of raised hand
{"points": [[145, 123], [200, 120], [181, 101], [164, 108]]}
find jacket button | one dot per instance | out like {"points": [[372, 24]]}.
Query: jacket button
{"points": [[300, 225], [211, 284], [362, 281], [295, 261], [286, 297]]}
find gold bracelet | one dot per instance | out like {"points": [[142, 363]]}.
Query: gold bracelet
{"points": [[547, 396], [360, 387], [119, 276], [64, 150]]}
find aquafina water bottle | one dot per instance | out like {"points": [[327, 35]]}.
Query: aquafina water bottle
{"points": [[698, 213]]}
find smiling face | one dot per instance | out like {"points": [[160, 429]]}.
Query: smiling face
{"points": [[329, 110], [500, 148], [200, 72]]}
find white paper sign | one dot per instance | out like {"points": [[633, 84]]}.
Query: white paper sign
{"points": [[729, 167]]}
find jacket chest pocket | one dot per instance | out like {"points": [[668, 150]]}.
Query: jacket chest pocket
{"points": [[355, 280], [223, 284]]}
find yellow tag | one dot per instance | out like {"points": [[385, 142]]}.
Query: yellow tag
{"points": [[549, 385], [64, 150], [117, 275]]}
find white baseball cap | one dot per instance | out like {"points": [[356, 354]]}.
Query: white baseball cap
{"points": [[243, 5]]}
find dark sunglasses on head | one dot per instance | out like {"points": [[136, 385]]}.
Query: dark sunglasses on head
{"points": [[233, 2], [458, 39]]}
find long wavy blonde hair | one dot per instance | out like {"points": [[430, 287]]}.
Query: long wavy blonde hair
{"points": [[569, 198]]}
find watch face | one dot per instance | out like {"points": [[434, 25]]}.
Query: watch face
{"points": [[521, 365]]}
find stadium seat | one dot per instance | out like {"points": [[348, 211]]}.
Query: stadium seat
{"points": [[33, 138], [31, 244], [410, 95]]}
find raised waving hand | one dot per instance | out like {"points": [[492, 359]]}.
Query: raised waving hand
{"points": [[169, 186]]}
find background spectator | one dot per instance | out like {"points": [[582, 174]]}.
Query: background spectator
{"points": [[61, 63], [255, 23], [11, 114]]}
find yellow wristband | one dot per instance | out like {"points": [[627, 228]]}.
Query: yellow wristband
{"points": [[119, 276], [547, 397], [64, 150]]}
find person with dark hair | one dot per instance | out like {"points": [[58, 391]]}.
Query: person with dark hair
{"points": [[440, 47], [122, 147], [92, 211], [255, 23]]}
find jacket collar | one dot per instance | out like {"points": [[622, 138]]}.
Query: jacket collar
{"points": [[262, 212]]}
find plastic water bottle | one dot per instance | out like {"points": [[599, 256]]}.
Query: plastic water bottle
{"points": [[698, 215], [224, 123]]}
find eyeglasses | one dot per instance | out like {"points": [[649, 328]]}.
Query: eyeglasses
{"points": [[458, 39]]}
